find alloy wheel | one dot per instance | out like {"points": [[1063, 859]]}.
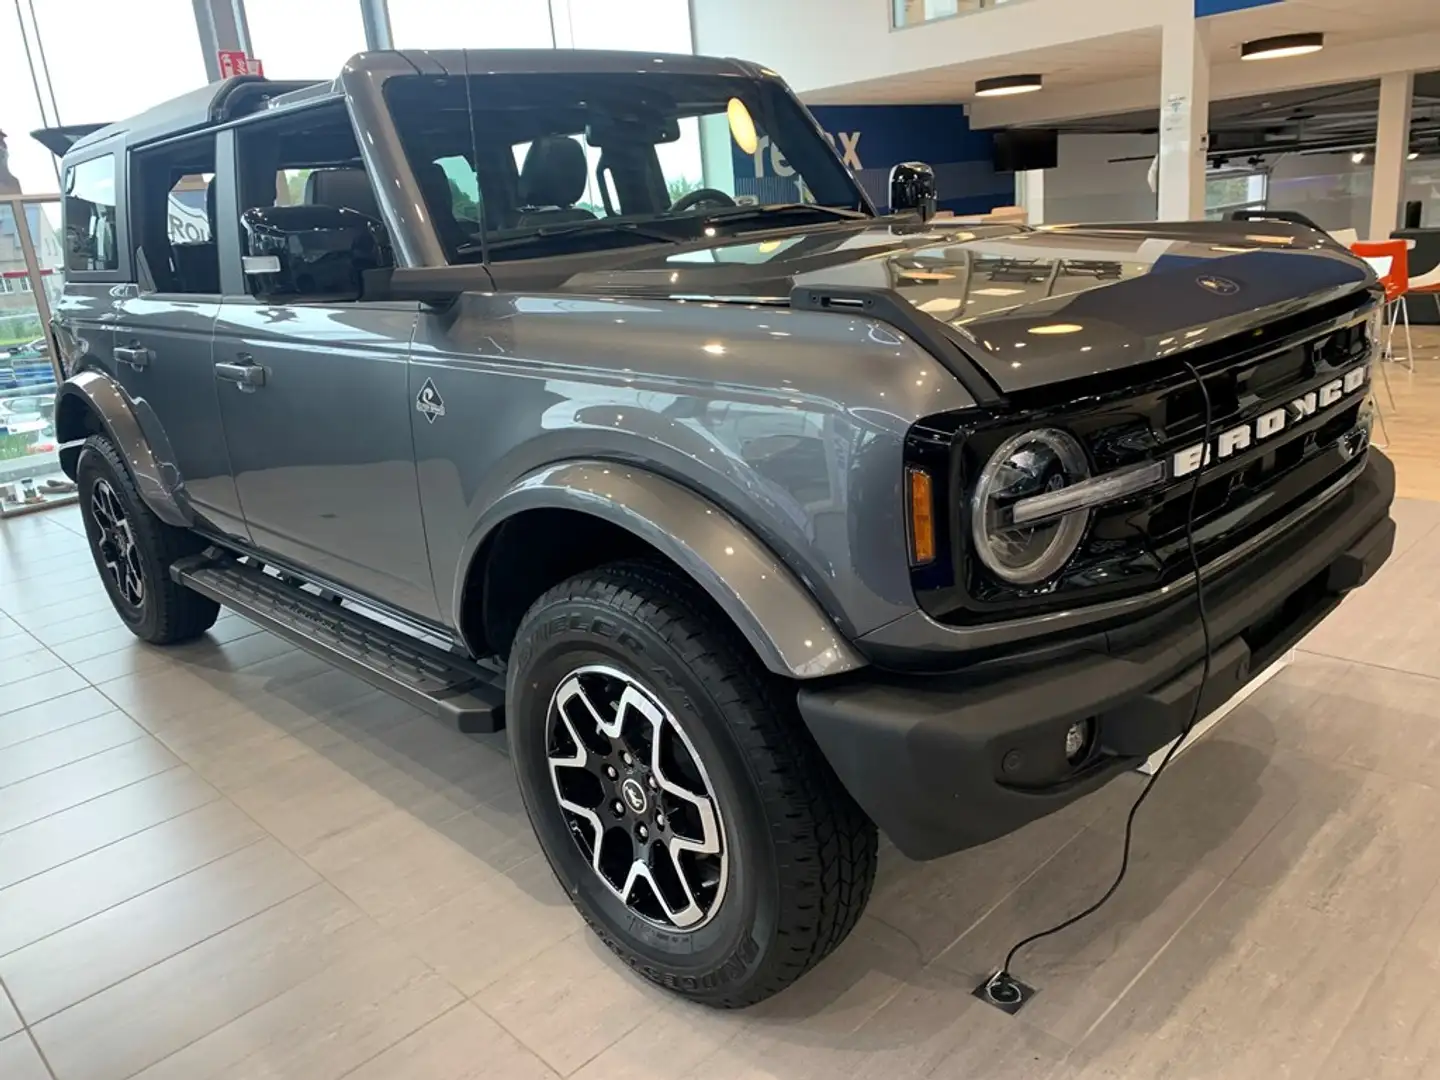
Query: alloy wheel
{"points": [[636, 798], [115, 544]]}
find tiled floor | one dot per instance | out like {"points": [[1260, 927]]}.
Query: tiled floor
{"points": [[227, 860]]}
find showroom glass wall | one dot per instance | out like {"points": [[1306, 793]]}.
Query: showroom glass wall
{"points": [[914, 12], [51, 74]]}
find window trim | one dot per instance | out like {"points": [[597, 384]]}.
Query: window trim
{"points": [[227, 198], [132, 167], [121, 270]]}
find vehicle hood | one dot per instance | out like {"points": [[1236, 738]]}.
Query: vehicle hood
{"points": [[1030, 307]]}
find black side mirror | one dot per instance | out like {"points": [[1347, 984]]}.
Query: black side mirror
{"points": [[912, 187], [311, 252]]}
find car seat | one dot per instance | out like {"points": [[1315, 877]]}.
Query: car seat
{"points": [[552, 181], [346, 188]]}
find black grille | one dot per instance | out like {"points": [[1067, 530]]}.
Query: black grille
{"points": [[1140, 544]]}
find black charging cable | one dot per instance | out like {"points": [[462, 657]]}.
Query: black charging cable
{"points": [[1001, 988]]}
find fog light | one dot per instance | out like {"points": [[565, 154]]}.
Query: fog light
{"points": [[1077, 740]]}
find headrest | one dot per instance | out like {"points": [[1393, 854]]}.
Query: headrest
{"points": [[349, 188], [555, 172], [435, 186]]}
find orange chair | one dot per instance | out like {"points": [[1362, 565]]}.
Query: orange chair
{"points": [[1391, 260]]}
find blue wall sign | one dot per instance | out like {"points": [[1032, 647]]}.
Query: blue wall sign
{"points": [[1220, 7], [872, 139]]}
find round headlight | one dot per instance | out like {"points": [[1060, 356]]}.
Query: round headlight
{"points": [[1030, 464]]}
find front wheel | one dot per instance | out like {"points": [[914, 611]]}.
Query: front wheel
{"points": [[675, 791]]}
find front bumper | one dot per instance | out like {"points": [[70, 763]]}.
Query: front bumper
{"points": [[947, 762]]}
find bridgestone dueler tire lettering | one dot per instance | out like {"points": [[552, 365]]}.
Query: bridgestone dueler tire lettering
{"points": [[803, 852]]}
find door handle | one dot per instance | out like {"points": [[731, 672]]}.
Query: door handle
{"points": [[134, 355], [248, 375]]}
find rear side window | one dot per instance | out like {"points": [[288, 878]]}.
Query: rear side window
{"points": [[90, 215], [172, 217]]}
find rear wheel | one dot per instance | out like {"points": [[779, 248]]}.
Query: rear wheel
{"points": [[675, 791], [133, 550]]}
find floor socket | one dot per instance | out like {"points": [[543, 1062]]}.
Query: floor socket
{"points": [[1006, 993]]}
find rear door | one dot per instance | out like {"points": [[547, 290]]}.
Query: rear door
{"points": [[320, 442], [165, 322]]}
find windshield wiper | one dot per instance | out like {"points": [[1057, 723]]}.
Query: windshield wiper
{"points": [[575, 228], [750, 213]]}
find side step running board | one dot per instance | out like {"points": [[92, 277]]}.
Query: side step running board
{"points": [[447, 686]]}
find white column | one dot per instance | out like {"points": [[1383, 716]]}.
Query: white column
{"points": [[221, 24], [375, 16], [1030, 195], [1184, 116], [1392, 145]]}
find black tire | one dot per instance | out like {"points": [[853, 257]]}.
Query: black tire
{"points": [[166, 613], [801, 852]]}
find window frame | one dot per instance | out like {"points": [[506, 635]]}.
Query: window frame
{"points": [[133, 170], [789, 115], [229, 197], [121, 270]]}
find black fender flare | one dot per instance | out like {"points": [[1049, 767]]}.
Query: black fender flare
{"points": [[97, 394]]}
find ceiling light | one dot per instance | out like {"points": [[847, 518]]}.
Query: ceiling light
{"points": [[1413, 155], [1005, 85], [1273, 48], [1358, 157]]}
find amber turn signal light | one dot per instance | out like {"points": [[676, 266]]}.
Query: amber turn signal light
{"points": [[922, 517]]}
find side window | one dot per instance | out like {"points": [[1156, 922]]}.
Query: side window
{"points": [[172, 203], [302, 158], [290, 186], [464, 189], [90, 215]]}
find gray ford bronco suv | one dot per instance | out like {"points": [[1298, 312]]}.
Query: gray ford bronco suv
{"points": [[587, 395]]}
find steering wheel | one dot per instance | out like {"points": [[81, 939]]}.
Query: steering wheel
{"points": [[699, 197]]}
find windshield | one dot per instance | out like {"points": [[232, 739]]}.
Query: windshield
{"points": [[564, 163]]}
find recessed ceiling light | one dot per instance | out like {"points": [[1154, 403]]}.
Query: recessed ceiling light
{"points": [[1273, 48], [1413, 155], [1358, 157], [1005, 85]]}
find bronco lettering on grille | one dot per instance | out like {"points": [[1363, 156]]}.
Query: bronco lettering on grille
{"points": [[1271, 423]]}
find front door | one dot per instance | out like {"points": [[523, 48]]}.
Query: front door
{"points": [[316, 407], [315, 395]]}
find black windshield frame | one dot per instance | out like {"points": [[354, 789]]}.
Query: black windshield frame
{"points": [[432, 117]]}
